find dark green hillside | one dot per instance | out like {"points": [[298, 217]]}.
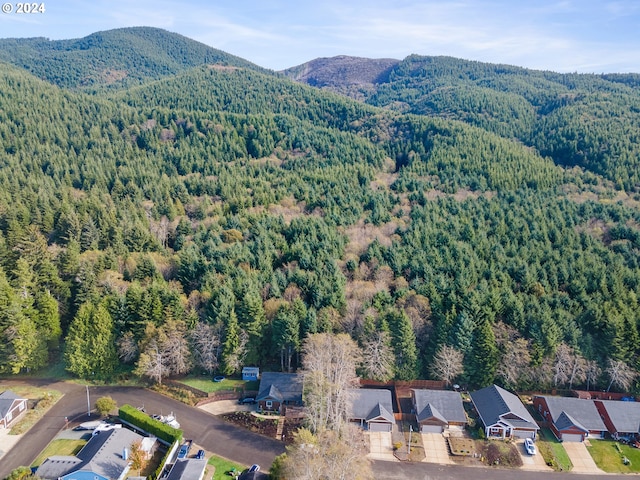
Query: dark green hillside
{"points": [[585, 120], [451, 154], [113, 58], [215, 218]]}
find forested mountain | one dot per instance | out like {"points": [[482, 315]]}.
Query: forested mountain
{"points": [[113, 58], [216, 217], [591, 121]]}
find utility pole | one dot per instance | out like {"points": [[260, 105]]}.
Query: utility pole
{"points": [[409, 444], [88, 402]]}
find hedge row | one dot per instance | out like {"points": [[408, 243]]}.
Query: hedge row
{"points": [[154, 427]]}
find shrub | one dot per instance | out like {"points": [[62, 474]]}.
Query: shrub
{"points": [[144, 422]]}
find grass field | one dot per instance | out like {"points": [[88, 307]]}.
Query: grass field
{"points": [[206, 384], [608, 456], [59, 447], [552, 451], [223, 466]]}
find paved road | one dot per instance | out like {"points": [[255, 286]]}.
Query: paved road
{"points": [[211, 433]]}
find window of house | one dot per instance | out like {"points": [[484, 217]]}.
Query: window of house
{"points": [[269, 404]]}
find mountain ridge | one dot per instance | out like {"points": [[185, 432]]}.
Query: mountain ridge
{"points": [[115, 58]]}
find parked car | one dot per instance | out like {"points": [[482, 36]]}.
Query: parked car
{"points": [[184, 449], [529, 447], [200, 454], [247, 401]]}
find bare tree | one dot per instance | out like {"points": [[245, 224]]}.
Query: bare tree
{"points": [[592, 372], [561, 364], [329, 363], [175, 347], [205, 346], [620, 374], [127, 347], [577, 370], [514, 365], [164, 351], [328, 455], [447, 364], [150, 363], [377, 357]]}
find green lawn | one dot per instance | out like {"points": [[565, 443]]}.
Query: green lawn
{"points": [[59, 447], [206, 384], [552, 451], [223, 466], [608, 456]]}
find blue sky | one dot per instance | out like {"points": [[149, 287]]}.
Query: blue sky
{"points": [[561, 35]]}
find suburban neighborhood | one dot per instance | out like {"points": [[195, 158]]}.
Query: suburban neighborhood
{"points": [[420, 421]]}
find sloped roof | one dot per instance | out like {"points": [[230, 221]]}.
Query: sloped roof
{"points": [[625, 416], [445, 403], [584, 412], [284, 387], [101, 456], [187, 469], [56, 466], [429, 412], [370, 403], [495, 405], [566, 421], [6, 402]]}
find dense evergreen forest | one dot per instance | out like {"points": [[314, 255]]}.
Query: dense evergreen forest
{"points": [[205, 214]]}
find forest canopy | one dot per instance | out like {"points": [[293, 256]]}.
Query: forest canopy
{"points": [[216, 215]]}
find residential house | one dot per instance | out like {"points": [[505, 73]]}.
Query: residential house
{"points": [[571, 419], [437, 410], [621, 418], [11, 408], [372, 408], [188, 469], [503, 414], [279, 389], [104, 457], [250, 373]]}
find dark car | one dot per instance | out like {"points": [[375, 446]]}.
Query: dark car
{"points": [[247, 401], [200, 454]]}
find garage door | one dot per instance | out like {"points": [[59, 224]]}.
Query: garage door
{"points": [[571, 437], [380, 427], [431, 429], [524, 434]]}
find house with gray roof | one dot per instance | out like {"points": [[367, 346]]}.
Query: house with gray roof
{"points": [[188, 469], [277, 389], [102, 458], [503, 414], [621, 418], [437, 410], [371, 408], [571, 419], [12, 407]]}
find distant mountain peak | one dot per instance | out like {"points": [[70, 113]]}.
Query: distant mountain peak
{"points": [[342, 70]]}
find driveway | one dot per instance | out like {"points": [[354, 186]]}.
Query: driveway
{"points": [[580, 457], [436, 449], [532, 462], [381, 446]]}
